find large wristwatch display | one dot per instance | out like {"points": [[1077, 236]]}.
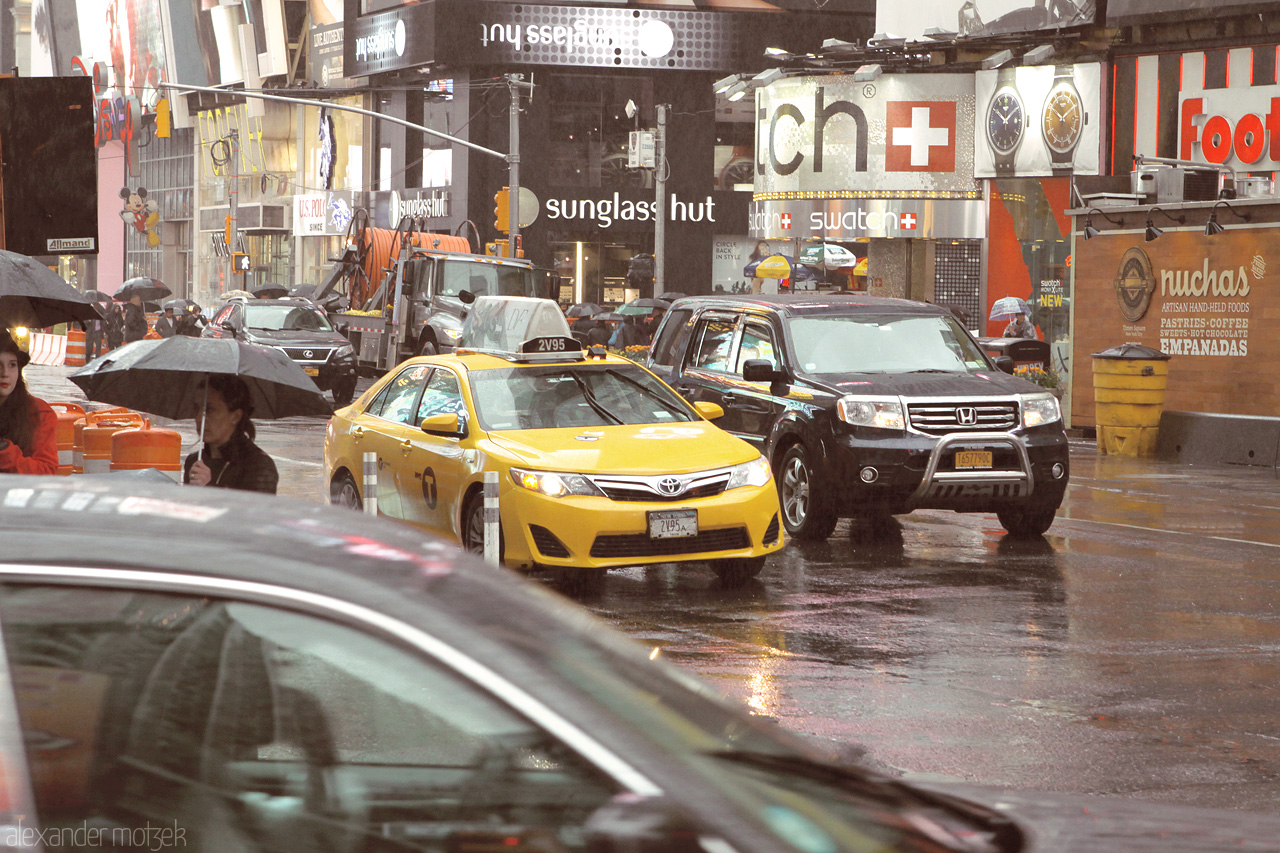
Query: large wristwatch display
{"points": [[1063, 118], [1006, 120]]}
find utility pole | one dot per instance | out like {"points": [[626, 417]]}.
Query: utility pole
{"points": [[513, 162], [233, 197], [660, 206]]}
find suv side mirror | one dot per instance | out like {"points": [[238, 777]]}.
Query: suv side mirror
{"points": [[761, 370], [1004, 362], [443, 424]]}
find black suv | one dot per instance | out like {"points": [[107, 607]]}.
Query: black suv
{"points": [[869, 407], [298, 328]]}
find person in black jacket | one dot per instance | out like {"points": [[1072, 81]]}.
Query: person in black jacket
{"points": [[113, 325], [230, 459], [135, 320]]}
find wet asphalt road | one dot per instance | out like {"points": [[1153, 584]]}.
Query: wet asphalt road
{"points": [[1134, 649]]}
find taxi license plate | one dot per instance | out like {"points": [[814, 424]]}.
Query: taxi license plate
{"points": [[311, 371], [973, 458], [673, 523]]}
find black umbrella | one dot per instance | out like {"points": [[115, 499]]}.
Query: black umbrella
{"points": [[150, 289], [306, 291], [33, 295], [584, 309], [644, 306], [672, 296], [181, 305], [97, 296], [163, 377], [271, 291]]}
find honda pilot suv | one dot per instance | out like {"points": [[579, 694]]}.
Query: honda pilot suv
{"points": [[298, 328], [869, 407]]}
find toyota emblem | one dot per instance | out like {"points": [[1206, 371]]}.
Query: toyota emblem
{"points": [[966, 416], [307, 354], [670, 486]]}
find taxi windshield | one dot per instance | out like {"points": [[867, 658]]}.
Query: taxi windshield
{"points": [[288, 318], [576, 395], [883, 344]]}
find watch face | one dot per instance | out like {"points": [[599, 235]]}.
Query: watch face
{"points": [[1063, 120], [1004, 121]]}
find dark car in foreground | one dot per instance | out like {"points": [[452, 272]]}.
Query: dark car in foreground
{"points": [[298, 328], [869, 407], [217, 670]]}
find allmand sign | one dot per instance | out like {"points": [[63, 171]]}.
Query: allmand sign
{"points": [[1199, 299]]}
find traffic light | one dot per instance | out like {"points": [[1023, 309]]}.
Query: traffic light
{"points": [[502, 210], [164, 119], [226, 232], [240, 262]]}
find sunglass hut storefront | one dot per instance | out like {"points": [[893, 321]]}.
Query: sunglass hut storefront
{"points": [[599, 75]]}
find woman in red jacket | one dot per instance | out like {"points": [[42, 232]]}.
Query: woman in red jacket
{"points": [[28, 427]]}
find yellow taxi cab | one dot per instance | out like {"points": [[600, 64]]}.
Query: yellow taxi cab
{"points": [[600, 464]]}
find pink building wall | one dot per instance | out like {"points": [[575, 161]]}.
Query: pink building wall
{"points": [[111, 179]]}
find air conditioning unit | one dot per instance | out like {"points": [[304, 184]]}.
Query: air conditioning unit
{"points": [[1142, 181], [1185, 183], [1255, 186]]}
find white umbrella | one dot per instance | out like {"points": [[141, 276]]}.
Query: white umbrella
{"points": [[1008, 307], [828, 256]]}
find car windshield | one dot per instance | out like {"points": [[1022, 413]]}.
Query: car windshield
{"points": [[577, 395], [883, 343], [286, 318], [486, 279]]}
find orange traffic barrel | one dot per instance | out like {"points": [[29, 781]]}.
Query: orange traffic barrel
{"points": [[97, 434], [77, 439], [143, 447], [65, 433], [75, 347]]}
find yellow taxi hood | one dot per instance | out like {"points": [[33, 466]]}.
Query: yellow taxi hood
{"points": [[626, 449]]}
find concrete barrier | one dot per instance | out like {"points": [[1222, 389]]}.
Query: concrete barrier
{"points": [[1215, 439], [47, 349]]}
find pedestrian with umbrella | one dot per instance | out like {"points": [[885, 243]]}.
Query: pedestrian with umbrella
{"points": [[1019, 315], [28, 426], [183, 377], [230, 459]]}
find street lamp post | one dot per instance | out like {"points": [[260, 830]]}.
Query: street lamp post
{"points": [[660, 202]]}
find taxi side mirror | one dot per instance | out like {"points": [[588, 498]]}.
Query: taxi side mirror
{"points": [[709, 410], [761, 370], [442, 424]]}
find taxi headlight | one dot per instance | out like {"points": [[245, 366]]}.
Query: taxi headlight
{"points": [[753, 473], [554, 484], [1040, 409], [453, 334], [344, 351], [878, 412]]}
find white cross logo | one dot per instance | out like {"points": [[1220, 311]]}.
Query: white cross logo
{"points": [[786, 220], [908, 221], [920, 136]]}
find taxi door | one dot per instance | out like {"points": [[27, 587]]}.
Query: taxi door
{"points": [[383, 429], [432, 469]]}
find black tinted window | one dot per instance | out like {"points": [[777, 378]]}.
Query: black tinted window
{"points": [[673, 337], [712, 343]]}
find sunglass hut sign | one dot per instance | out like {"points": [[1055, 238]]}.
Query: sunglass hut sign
{"points": [[554, 35]]}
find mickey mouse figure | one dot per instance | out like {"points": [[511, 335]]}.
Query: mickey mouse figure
{"points": [[143, 213]]}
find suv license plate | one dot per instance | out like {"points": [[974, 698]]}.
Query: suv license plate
{"points": [[311, 371], [973, 458], [673, 523]]}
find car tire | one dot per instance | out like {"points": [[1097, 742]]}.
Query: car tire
{"points": [[737, 570], [428, 347], [802, 516], [473, 527], [344, 392], [1027, 521], [343, 491]]}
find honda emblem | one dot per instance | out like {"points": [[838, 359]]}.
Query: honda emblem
{"points": [[966, 416]]}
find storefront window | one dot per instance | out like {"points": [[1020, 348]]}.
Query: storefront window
{"points": [[594, 271], [590, 130]]}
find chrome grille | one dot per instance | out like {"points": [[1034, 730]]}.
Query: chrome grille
{"points": [[319, 354], [704, 484], [943, 417]]}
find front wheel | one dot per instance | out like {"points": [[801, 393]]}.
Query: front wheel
{"points": [[343, 491], [803, 514], [428, 347], [344, 392], [737, 570], [473, 527], [1029, 521]]}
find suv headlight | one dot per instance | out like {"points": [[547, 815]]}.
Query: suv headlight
{"points": [[554, 484], [753, 473], [343, 351], [878, 412], [1040, 409]]}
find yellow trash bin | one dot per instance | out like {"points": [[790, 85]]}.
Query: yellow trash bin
{"points": [[1128, 388]]}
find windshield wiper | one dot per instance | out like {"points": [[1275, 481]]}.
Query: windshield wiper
{"points": [[934, 370], [670, 407], [593, 402]]}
